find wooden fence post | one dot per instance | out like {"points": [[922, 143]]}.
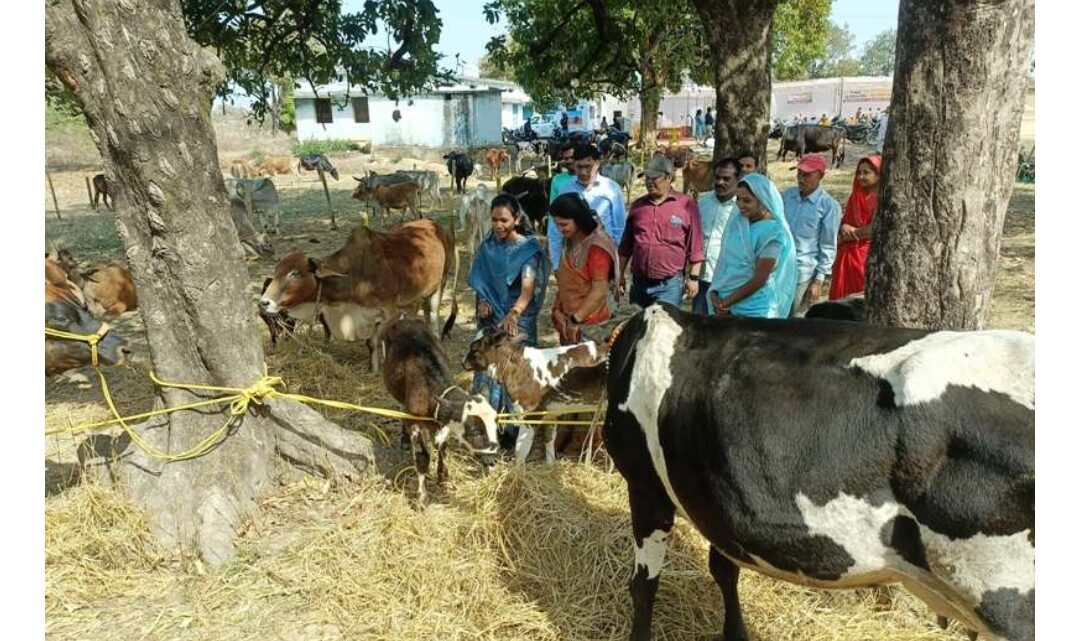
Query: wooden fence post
{"points": [[56, 206], [326, 191], [90, 194]]}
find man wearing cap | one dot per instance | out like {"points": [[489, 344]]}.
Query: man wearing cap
{"points": [[602, 193], [814, 219], [663, 240]]}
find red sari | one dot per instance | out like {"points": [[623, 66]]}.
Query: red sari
{"points": [[849, 268]]}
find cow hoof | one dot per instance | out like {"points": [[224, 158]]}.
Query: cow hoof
{"points": [[943, 622]]}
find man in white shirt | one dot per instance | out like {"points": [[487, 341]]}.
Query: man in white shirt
{"points": [[715, 207]]}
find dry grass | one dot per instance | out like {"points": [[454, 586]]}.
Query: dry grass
{"points": [[535, 553], [539, 553]]}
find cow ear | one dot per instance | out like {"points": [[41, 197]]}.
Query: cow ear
{"points": [[320, 272]]}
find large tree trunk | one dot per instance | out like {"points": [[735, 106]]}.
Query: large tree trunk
{"points": [[740, 39], [650, 104], [950, 157], [145, 89]]}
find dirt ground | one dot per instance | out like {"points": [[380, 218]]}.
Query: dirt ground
{"points": [[168, 601]]}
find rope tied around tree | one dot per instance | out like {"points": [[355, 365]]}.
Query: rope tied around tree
{"points": [[240, 400]]}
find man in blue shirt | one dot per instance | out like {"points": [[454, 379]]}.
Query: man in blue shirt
{"points": [[814, 218], [602, 193]]}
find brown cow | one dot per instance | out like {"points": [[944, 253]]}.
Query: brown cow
{"points": [[243, 168], [416, 372], [494, 159], [66, 312], [107, 287], [369, 280], [276, 165], [101, 190], [697, 176], [678, 154], [58, 286], [403, 196]]}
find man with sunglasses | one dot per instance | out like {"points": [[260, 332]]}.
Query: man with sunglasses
{"points": [[603, 195], [663, 241]]}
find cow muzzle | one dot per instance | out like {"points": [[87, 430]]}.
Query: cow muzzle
{"points": [[268, 306]]}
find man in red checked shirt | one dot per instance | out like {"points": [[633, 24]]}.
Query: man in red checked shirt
{"points": [[662, 241]]}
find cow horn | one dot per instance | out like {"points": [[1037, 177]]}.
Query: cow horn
{"points": [[521, 195], [359, 180]]}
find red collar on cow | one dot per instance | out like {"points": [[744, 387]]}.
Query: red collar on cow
{"points": [[615, 333]]}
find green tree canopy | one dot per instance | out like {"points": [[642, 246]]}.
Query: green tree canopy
{"points": [[800, 32], [880, 54], [567, 52], [314, 41], [838, 59]]}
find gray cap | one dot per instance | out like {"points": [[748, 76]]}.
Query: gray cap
{"points": [[658, 166]]}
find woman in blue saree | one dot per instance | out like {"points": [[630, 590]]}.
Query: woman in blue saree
{"points": [[510, 275], [756, 272]]}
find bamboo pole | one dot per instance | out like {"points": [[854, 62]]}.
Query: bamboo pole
{"points": [[326, 191], [90, 194], [56, 206]]}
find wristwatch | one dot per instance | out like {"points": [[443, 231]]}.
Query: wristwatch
{"points": [[694, 277]]}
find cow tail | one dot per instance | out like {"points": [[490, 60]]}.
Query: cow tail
{"points": [[453, 287]]}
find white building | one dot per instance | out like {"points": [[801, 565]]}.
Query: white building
{"points": [[470, 113], [830, 96]]}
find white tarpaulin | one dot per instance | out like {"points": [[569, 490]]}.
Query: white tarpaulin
{"points": [[830, 96]]}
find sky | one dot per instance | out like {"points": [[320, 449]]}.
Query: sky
{"points": [[466, 32]]}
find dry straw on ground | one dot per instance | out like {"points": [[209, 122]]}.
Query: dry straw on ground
{"points": [[533, 553]]}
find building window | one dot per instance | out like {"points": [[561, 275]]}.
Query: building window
{"points": [[360, 109], [514, 110], [324, 114]]}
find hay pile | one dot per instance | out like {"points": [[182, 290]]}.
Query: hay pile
{"points": [[537, 553], [534, 553]]}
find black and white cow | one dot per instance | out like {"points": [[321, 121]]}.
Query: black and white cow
{"points": [[833, 455]]}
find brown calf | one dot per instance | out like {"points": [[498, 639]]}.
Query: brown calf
{"points": [[539, 379], [494, 159], [403, 196], [373, 277], [242, 168], [107, 287], [101, 190], [416, 372], [276, 165]]}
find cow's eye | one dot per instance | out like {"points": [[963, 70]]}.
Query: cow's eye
{"points": [[294, 273]]}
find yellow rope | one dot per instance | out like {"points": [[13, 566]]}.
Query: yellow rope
{"points": [[240, 400]]}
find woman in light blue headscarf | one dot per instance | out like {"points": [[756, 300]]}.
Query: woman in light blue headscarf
{"points": [[756, 272]]}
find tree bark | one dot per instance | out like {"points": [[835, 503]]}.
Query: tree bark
{"points": [[651, 92], [739, 33], [145, 89], [950, 150]]}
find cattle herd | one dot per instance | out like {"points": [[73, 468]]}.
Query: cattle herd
{"points": [[821, 451]]}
